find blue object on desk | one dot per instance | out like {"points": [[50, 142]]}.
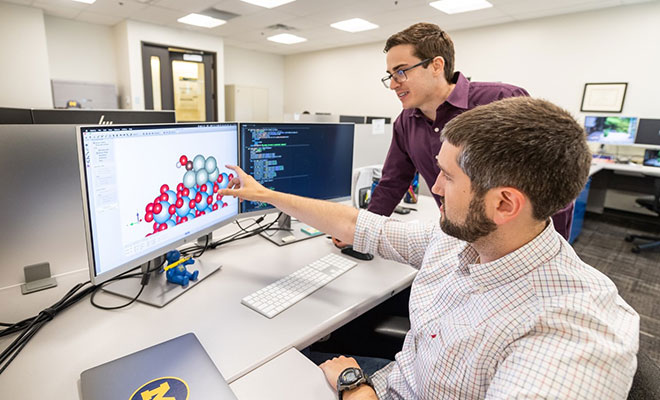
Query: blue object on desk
{"points": [[579, 211]]}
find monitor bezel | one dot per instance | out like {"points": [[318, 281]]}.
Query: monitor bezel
{"points": [[137, 262], [273, 209]]}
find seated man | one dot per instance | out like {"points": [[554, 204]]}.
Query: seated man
{"points": [[501, 307]]}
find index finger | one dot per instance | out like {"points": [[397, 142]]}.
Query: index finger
{"points": [[234, 168]]}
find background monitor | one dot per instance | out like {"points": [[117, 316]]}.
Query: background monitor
{"points": [[41, 215], [311, 160], [15, 115], [356, 119], [648, 132], [652, 158], [101, 117], [611, 130], [150, 188]]}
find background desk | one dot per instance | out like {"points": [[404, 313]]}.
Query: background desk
{"points": [[631, 178], [238, 339]]}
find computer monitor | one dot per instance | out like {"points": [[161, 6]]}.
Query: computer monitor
{"points": [[15, 115], [652, 158], [148, 189], [307, 159], [648, 132], [101, 117], [611, 130]]}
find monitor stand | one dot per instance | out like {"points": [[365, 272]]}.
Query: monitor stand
{"points": [[158, 292], [292, 231]]}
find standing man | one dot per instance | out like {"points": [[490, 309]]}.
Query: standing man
{"points": [[501, 307], [420, 67]]}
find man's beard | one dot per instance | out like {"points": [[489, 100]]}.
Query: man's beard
{"points": [[476, 225]]}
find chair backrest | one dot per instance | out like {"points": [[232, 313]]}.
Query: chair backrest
{"points": [[646, 383], [656, 195]]}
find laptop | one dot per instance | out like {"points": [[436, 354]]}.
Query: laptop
{"points": [[177, 369]]}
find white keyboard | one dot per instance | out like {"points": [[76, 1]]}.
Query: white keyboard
{"points": [[282, 294]]}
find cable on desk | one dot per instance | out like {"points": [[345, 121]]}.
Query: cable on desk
{"points": [[242, 234], [30, 326], [144, 276]]}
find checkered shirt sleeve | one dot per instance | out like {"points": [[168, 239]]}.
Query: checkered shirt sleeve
{"points": [[404, 242]]}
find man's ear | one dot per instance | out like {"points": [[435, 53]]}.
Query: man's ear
{"points": [[438, 65], [505, 204]]}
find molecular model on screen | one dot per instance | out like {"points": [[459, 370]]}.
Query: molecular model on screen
{"points": [[196, 194]]}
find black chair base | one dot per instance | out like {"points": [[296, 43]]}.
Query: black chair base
{"points": [[654, 242]]}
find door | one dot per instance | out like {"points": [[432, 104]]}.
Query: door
{"points": [[182, 80]]}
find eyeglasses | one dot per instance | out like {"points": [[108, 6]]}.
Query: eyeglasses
{"points": [[400, 75]]}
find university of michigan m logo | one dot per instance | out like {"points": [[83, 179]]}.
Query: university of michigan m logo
{"points": [[166, 388]]}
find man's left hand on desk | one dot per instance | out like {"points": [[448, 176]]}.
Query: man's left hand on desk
{"points": [[332, 368]]}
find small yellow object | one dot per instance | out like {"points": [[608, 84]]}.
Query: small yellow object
{"points": [[174, 264]]}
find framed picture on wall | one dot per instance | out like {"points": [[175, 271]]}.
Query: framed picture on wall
{"points": [[604, 97]]}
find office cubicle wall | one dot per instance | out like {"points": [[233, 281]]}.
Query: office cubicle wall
{"points": [[41, 204], [101, 117], [15, 115]]}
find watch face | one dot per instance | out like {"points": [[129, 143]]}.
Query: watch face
{"points": [[350, 376]]}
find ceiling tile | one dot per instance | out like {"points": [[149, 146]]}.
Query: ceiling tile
{"points": [[187, 6], [100, 19], [158, 15]]}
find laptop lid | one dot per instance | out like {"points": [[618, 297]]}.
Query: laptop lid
{"points": [[177, 369]]}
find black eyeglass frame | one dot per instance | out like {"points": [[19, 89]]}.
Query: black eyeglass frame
{"points": [[401, 74]]}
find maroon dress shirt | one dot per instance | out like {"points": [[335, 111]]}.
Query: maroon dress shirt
{"points": [[416, 142]]}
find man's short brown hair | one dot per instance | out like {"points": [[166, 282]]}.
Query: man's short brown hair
{"points": [[429, 41], [528, 144]]}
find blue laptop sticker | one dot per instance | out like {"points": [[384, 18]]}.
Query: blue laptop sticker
{"points": [[165, 388]]}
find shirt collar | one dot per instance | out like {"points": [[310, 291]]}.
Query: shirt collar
{"points": [[514, 265], [457, 98]]}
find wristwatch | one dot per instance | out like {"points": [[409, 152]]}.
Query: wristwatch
{"points": [[350, 378]]}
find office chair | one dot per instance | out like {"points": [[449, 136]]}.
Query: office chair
{"points": [[652, 204], [646, 382]]}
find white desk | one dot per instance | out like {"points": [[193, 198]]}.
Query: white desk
{"points": [[290, 375], [602, 182], [238, 339]]}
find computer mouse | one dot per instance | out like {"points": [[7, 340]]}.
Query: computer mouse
{"points": [[348, 250]]}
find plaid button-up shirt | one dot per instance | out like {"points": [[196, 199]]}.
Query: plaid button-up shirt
{"points": [[536, 323]]}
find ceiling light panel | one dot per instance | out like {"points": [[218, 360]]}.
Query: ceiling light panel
{"points": [[354, 25], [286, 38], [268, 3], [460, 6], [85, 1], [201, 20]]}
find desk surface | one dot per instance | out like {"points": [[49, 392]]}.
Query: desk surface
{"points": [[642, 169], [237, 338]]}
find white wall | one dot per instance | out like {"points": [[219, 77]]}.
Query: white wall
{"points": [[551, 57], [78, 51], [340, 81], [130, 70], [24, 73], [256, 69]]}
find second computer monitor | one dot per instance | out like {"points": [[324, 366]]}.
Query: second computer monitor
{"points": [[312, 160], [648, 132], [611, 130]]}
